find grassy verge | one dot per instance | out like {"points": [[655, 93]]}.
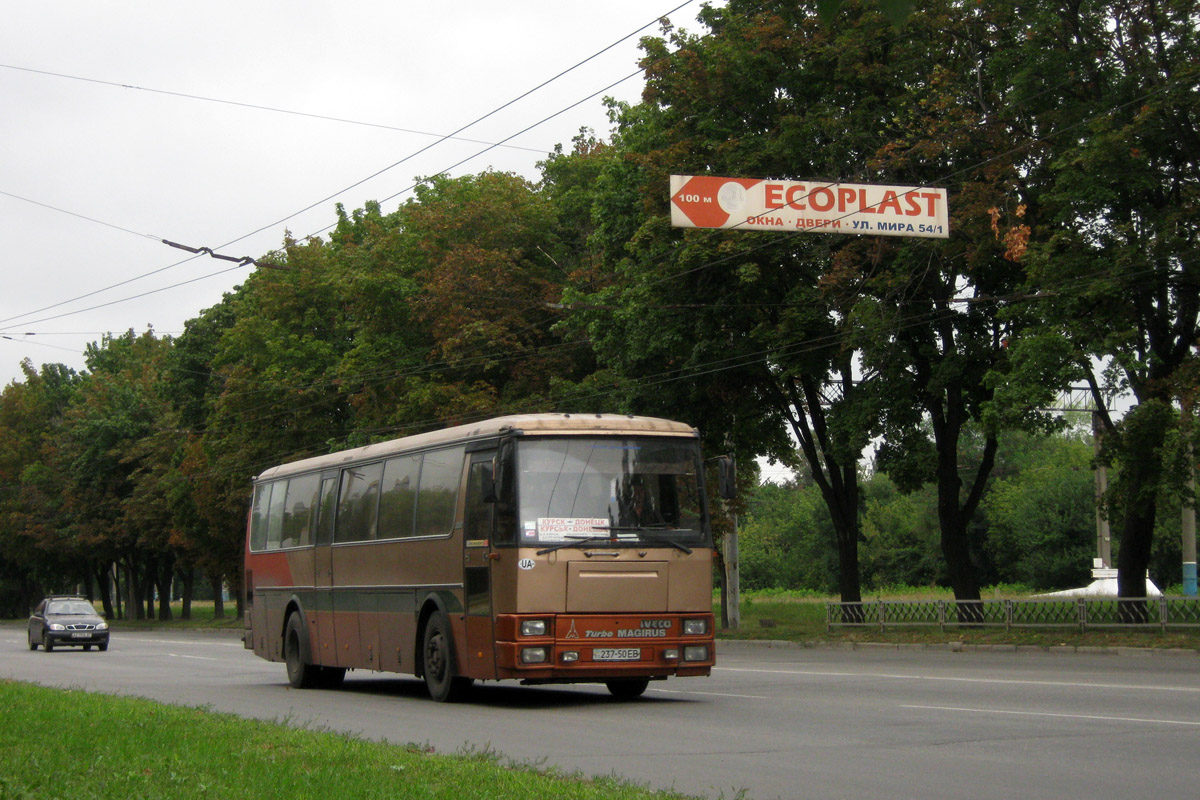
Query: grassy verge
{"points": [[800, 617], [71, 744]]}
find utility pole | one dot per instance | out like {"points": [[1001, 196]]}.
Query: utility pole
{"points": [[1188, 522]]}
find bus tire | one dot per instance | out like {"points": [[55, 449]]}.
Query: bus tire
{"points": [[301, 674], [437, 651], [627, 688]]}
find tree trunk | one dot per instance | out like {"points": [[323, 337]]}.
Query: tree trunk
{"points": [[1144, 432], [218, 600], [162, 581], [102, 586], [188, 577]]}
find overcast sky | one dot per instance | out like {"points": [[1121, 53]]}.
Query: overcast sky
{"points": [[127, 122]]}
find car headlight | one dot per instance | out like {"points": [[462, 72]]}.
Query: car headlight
{"points": [[695, 627], [533, 627], [57, 626], [103, 626]]}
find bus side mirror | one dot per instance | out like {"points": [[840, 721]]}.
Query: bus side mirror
{"points": [[726, 477]]}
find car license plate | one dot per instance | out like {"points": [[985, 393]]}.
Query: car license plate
{"points": [[616, 654], [81, 635]]}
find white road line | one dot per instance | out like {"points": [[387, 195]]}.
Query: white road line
{"points": [[194, 658], [714, 694], [998, 681], [1059, 716]]}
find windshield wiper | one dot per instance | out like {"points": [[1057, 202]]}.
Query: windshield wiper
{"points": [[574, 541], [657, 531]]}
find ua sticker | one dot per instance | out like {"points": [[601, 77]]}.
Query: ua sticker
{"points": [[525, 563]]}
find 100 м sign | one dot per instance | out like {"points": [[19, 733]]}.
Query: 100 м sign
{"points": [[702, 201]]}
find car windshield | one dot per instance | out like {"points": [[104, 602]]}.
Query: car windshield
{"points": [[71, 607], [641, 490]]}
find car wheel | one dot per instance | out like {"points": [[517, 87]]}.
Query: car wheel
{"points": [[102, 646], [301, 674], [627, 688], [438, 651], [47, 643]]}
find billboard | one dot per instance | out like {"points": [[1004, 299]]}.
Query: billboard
{"points": [[705, 201]]}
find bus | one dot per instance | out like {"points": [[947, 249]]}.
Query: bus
{"points": [[542, 548]]}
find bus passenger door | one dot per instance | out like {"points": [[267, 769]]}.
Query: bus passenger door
{"points": [[321, 614], [478, 524]]}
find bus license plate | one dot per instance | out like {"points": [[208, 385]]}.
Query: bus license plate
{"points": [[616, 654]]}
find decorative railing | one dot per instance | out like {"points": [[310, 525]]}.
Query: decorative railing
{"points": [[1084, 613]]}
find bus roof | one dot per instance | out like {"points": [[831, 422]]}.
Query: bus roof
{"points": [[517, 424]]}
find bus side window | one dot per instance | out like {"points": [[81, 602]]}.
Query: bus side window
{"points": [[358, 503], [275, 514], [441, 472], [398, 498], [258, 517], [326, 510], [297, 514]]}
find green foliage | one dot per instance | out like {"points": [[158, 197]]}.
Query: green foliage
{"points": [[787, 541], [1042, 520]]}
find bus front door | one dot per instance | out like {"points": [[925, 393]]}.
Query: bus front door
{"points": [[478, 525]]}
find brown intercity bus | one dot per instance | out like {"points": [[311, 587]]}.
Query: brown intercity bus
{"points": [[546, 548]]}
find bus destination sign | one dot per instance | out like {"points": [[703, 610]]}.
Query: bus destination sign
{"points": [[705, 201]]}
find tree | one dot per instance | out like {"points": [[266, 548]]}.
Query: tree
{"points": [[1114, 263]]}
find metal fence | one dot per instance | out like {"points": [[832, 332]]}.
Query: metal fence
{"points": [[1083, 613]]}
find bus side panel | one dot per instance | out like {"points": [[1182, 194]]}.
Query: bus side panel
{"points": [[368, 629], [272, 585], [396, 625], [375, 619], [479, 661]]}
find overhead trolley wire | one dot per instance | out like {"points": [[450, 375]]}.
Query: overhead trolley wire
{"points": [[441, 139]]}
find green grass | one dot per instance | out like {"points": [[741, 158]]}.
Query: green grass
{"points": [[800, 617], [76, 745], [202, 617]]}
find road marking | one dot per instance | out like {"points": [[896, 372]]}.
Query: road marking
{"points": [[714, 694], [1060, 716], [195, 658], [998, 681], [203, 642]]}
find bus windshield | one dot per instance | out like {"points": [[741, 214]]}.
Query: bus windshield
{"points": [[643, 491]]}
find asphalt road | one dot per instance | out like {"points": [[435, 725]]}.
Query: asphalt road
{"points": [[772, 722]]}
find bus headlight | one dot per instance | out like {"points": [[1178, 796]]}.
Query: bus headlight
{"points": [[695, 627], [533, 655], [533, 627], [695, 652], [570, 656]]}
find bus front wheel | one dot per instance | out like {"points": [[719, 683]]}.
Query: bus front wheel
{"points": [[438, 655]]}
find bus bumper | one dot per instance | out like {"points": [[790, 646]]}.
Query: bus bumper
{"points": [[566, 648]]}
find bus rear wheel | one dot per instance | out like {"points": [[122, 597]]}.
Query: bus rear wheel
{"points": [[301, 674], [627, 688], [437, 652]]}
